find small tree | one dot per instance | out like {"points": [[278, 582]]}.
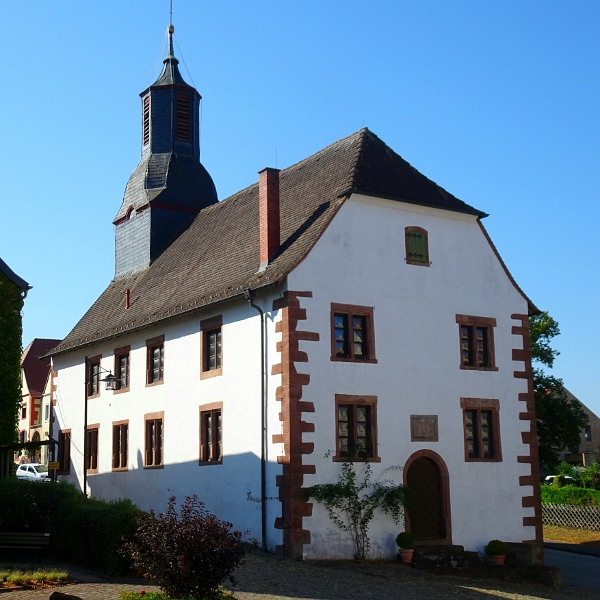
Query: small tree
{"points": [[352, 501], [189, 555], [560, 419]]}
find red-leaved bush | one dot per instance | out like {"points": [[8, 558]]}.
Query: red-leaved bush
{"points": [[187, 555]]}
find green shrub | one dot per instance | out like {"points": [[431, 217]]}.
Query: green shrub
{"points": [[589, 476], [496, 548], [86, 531], [93, 533], [188, 554], [566, 469], [570, 494], [405, 540]]}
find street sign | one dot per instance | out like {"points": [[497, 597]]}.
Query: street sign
{"points": [[53, 465]]}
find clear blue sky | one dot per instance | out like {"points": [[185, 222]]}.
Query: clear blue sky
{"points": [[497, 101]]}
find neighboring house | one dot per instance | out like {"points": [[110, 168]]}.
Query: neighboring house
{"points": [[35, 373], [392, 331], [589, 450], [13, 291]]}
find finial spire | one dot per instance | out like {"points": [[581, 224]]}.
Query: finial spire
{"points": [[170, 30]]}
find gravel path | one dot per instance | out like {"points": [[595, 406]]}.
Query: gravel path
{"points": [[266, 577]]}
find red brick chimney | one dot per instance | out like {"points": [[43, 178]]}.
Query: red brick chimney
{"points": [[268, 203]]}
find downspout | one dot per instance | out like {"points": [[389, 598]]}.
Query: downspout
{"points": [[85, 420], [263, 406]]}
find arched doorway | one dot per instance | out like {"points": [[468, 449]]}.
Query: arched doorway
{"points": [[426, 474], [36, 454]]}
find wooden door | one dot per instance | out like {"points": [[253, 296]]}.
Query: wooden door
{"points": [[426, 517]]}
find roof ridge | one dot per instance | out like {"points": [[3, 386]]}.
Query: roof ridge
{"points": [[359, 150]]}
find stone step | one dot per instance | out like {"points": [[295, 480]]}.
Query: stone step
{"points": [[453, 557]]}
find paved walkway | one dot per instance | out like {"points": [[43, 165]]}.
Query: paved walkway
{"points": [[266, 577], [576, 568]]}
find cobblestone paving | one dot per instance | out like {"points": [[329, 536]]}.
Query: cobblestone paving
{"points": [[265, 577]]}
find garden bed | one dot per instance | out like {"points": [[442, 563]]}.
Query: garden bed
{"points": [[16, 579]]}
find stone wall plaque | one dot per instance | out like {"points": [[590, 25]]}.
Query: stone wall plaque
{"points": [[424, 428]]}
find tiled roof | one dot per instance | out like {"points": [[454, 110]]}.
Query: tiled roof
{"points": [[10, 274], [34, 367], [217, 257]]}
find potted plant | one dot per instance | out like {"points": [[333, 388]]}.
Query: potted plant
{"points": [[497, 551], [405, 542]]}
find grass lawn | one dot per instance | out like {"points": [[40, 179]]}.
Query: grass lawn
{"points": [[572, 536], [10, 577]]}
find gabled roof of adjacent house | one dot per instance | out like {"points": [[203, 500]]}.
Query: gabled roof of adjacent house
{"points": [[35, 367], [217, 257], [12, 276]]}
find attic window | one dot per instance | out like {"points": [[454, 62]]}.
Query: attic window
{"points": [[417, 249], [146, 121], [183, 117]]}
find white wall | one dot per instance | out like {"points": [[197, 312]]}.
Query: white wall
{"points": [[231, 490], [360, 259]]}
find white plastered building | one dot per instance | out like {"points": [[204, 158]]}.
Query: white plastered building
{"points": [[345, 306]]}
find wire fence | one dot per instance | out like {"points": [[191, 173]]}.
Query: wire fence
{"points": [[567, 515]]}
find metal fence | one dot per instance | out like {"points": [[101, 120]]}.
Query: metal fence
{"points": [[567, 515]]}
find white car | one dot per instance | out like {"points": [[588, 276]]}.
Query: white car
{"points": [[33, 472]]}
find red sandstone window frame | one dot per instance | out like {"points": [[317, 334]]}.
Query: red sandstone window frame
{"points": [[211, 443], [120, 445], [350, 311], [155, 343], [93, 376], [92, 448], [487, 324], [479, 405], [208, 327], [154, 440], [120, 353], [64, 452], [354, 402], [411, 261]]}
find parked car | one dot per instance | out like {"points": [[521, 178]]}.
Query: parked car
{"points": [[568, 479], [33, 472]]}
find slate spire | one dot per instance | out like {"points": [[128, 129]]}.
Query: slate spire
{"points": [[169, 186]]}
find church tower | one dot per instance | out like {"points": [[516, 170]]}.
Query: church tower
{"points": [[169, 186]]}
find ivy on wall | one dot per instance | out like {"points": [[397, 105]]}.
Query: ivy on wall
{"points": [[11, 330]]}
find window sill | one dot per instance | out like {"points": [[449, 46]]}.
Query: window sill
{"points": [[373, 459], [371, 361], [211, 373], [205, 463], [477, 460], [159, 382], [92, 471], [418, 264], [121, 391], [466, 368], [92, 396], [154, 466], [119, 469]]}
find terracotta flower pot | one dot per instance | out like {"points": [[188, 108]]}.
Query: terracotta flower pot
{"points": [[406, 555], [498, 559]]}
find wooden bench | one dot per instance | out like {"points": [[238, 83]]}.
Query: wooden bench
{"points": [[24, 541]]}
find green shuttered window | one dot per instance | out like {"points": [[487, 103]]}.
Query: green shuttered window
{"points": [[417, 248]]}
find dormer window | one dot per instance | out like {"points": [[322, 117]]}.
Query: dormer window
{"points": [[183, 117], [146, 121]]}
